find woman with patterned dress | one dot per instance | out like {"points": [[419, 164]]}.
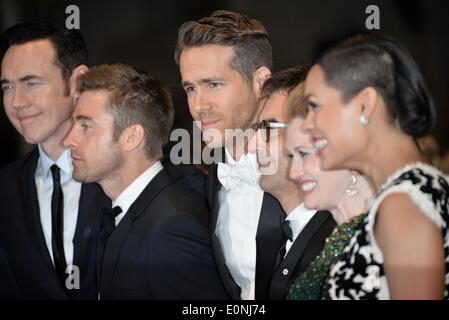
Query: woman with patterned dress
{"points": [[343, 193], [368, 104]]}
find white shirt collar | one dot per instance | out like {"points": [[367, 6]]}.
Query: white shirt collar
{"points": [[298, 218], [229, 158], [64, 163], [238, 218], [236, 175], [249, 158], [130, 194]]}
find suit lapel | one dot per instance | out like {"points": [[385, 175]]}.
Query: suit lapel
{"points": [[101, 244], [268, 243], [294, 261], [320, 231], [300, 244], [89, 215], [118, 237], [214, 187], [32, 219]]}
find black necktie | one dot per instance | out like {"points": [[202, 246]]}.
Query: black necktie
{"points": [[109, 219], [57, 225], [288, 235]]}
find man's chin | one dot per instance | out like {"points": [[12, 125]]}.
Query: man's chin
{"points": [[213, 138], [266, 184], [268, 170], [77, 176], [214, 143], [32, 139], [34, 134]]}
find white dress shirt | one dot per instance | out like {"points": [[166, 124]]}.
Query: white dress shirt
{"points": [[130, 194], [298, 219], [238, 218], [71, 190]]}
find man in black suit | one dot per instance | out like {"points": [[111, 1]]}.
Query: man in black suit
{"points": [[224, 60], [155, 244], [8, 287], [305, 230], [48, 222]]}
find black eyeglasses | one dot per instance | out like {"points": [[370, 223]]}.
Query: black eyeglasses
{"points": [[266, 126]]}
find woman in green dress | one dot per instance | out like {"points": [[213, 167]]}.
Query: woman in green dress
{"points": [[345, 194]]}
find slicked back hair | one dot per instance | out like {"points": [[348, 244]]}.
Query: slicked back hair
{"points": [[246, 36]]}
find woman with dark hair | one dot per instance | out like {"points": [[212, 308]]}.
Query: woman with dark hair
{"points": [[368, 104], [344, 193]]}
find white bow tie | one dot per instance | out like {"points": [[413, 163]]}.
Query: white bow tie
{"points": [[233, 175]]}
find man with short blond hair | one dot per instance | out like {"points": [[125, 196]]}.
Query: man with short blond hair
{"points": [[155, 242]]}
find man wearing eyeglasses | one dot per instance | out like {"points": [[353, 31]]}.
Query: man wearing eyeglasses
{"points": [[304, 230]]}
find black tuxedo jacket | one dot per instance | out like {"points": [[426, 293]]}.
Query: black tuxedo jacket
{"points": [[23, 251], [304, 249], [161, 248], [186, 175], [268, 240], [8, 286]]}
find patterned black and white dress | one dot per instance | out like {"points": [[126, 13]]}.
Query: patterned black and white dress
{"points": [[359, 273]]}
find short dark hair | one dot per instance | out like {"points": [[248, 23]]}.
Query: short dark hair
{"points": [[135, 98], [285, 80], [70, 47], [380, 62], [247, 37]]}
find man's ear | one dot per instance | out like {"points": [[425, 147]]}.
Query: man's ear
{"points": [[132, 137], [73, 80], [259, 77]]}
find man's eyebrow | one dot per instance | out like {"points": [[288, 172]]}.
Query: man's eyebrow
{"points": [[186, 83], [209, 80], [22, 79], [83, 117], [308, 96], [203, 80], [30, 77]]}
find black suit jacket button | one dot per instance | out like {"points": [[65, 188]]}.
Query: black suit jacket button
{"points": [[285, 272]]}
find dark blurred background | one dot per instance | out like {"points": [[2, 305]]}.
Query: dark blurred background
{"points": [[142, 33]]}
